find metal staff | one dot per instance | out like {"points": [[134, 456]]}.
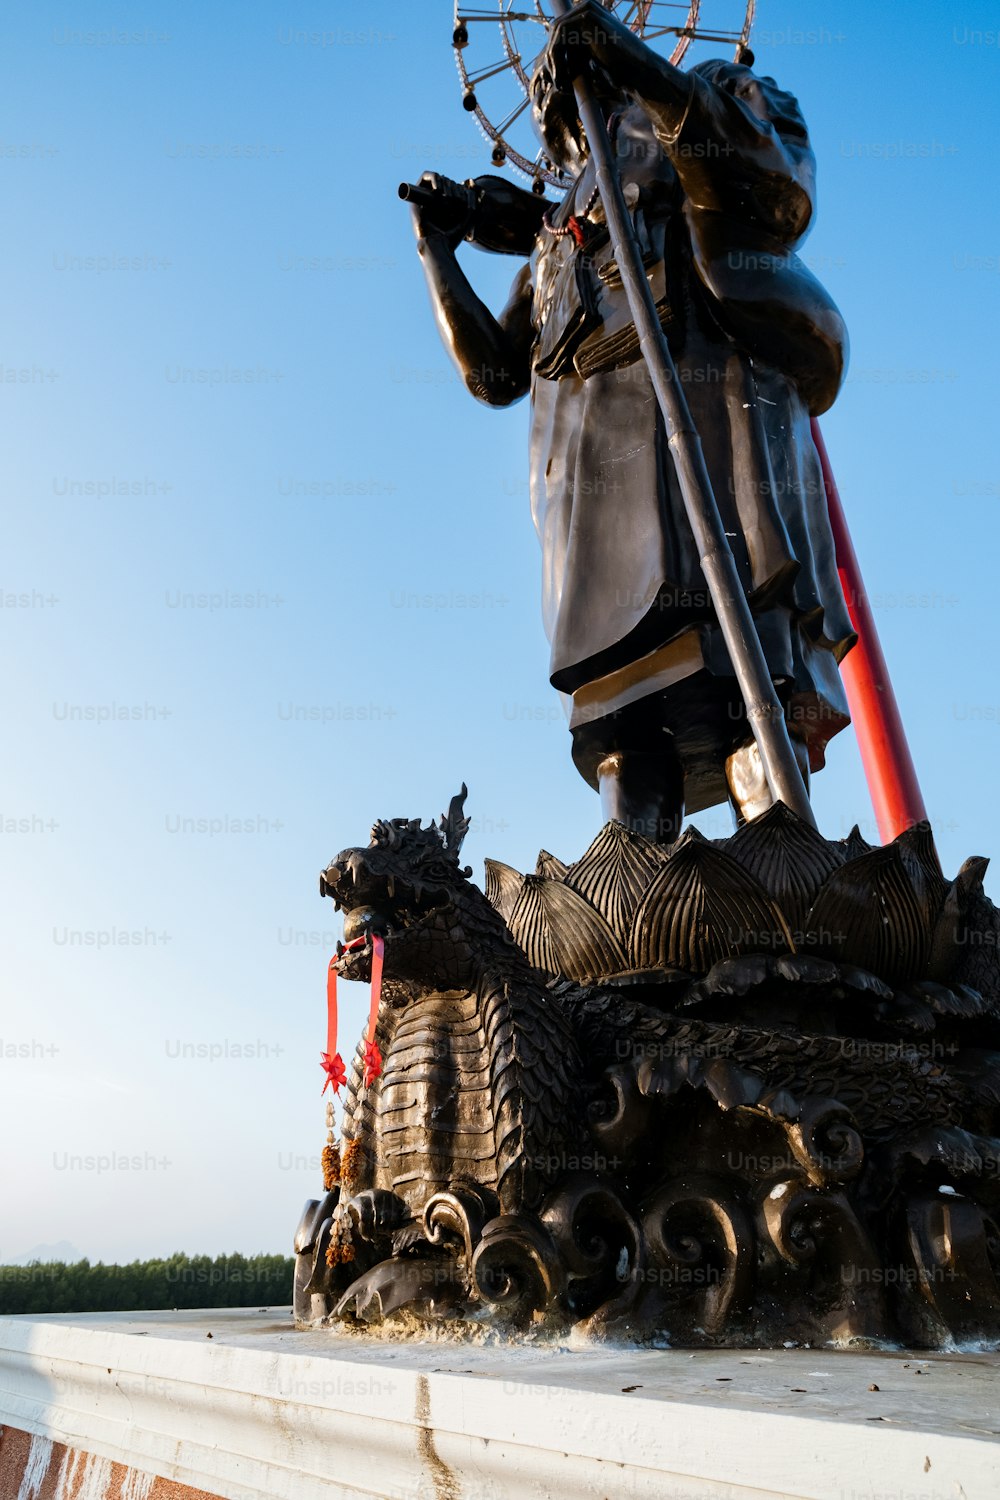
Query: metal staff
{"points": [[764, 712], [885, 754]]}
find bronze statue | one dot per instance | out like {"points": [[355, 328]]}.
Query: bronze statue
{"points": [[719, 177], [723, 1092]]}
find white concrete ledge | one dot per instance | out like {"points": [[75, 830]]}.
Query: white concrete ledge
{"points": [[259, 1411]]}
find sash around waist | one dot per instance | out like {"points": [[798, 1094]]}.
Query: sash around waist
{"points": [[582, 318]]}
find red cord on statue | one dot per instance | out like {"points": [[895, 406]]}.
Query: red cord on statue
{"points": [[331, 1060]]}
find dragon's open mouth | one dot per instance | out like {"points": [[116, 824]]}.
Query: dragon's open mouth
{"points": [[354, 953], [375, 905], [354, 957]]}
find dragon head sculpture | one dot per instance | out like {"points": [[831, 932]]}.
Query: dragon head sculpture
{"points": [[408, 888]]}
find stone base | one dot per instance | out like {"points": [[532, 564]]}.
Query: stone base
{"points": [[237, 1405]]}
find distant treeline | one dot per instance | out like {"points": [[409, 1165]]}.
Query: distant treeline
{"points": [[178, 1281]]}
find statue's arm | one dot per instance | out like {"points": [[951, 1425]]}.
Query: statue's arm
{"points": [[731, 160], [492, 355]]}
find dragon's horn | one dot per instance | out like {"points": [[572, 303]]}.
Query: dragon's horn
{"points": [[454, 824]]}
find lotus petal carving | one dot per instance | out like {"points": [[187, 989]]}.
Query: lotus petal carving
{"points": [[870, 914], [502, 887], [615, 872], [529, 925], [562, 934], [854, 845], [885, 917], [702, 907], [789, 858], [917, 851]]}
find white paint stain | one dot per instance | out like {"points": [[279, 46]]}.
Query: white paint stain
{"points": [[137, 1486], [35, 1470], [87, 1477]]}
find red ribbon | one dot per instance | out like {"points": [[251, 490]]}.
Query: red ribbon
{"points": [[331, 1060], [373, 1057]]}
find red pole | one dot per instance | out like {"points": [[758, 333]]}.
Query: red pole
{"points": [[889, 769]]}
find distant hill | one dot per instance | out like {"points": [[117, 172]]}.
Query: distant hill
{"points": [[61, 1250], [179, 1280]]}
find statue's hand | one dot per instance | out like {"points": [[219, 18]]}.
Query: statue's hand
{"points": [[588, 31], [447, 216]]}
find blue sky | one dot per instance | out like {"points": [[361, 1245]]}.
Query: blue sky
{"points": [[249, 508]]}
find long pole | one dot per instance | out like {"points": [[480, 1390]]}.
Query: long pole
{"points": [[885, 754], [764, 712]]}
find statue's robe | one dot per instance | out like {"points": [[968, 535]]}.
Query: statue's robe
{"points": [[721, 190]]}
